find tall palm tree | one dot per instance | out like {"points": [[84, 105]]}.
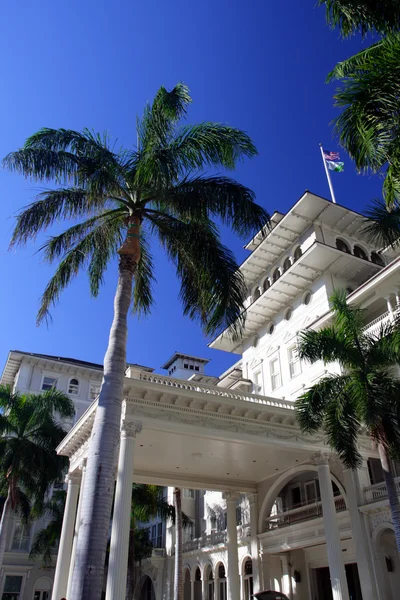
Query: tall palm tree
{"points": [[46, 540], [368, 125], [364, 397], [29, 435], [123, 200], [351, 16]]}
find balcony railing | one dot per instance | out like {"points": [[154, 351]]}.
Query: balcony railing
{"points": [[378, 491], [302, 513], [193, 386], [214, 538], [374, 327]]}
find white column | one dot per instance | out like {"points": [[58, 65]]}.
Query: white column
{"points": [[390, 308], [192, 589], [77, 523], [360, 536], [233, 579], [66, 539], [335, 558], [286, 577], [118, 565], [255, 554], [204, 584]]}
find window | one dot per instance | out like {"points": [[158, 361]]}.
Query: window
{"points": [[311, 489], [185, 365], [360, 253], [73, 387], [196, 368], [248, 580], [295, 495], [188, 493], [294, 361], [41, 595], [275, 373], [257, 386], [377, 259], [286, 264], [156, 540], [12, 587], [276, 275], [191, 367], [341, 245], [297, 253], [21, 539], [266, 284], [49, 383], [238, 515], [222, 583], [210, 595], [94, 391]]}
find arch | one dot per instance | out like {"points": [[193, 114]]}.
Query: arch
{"points": [[266, 284], [147, 591], [256, 294], [208, 576], [387, 558], [276, 274], [43, 584], [297, 253], [360, 252], [286, 264], [282, 480], [342, 246], [377, 259], [73, 386], [243, 564]]}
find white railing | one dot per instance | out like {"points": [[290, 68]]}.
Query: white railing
{"points": [[208, 539], [302, 513], [192, 386], [374, 327], [378, 491]]}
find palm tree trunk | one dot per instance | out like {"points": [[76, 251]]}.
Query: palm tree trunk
{"points": [[391, 490], [5, 525], [178, 583], [102, 458]]}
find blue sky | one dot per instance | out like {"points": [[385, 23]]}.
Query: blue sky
{"points": [[256, 65]]}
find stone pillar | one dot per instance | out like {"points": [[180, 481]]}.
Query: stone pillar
{"points": [[360, 536], [204, 584], [118, 565], [266, 582], [335, 558], [255, 554], [76, 532], [233, 579], [192, 589], [66, 539], [286, 584], [390, 308]]}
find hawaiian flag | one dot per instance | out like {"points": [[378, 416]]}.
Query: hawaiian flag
{"points": [[332, 161]]}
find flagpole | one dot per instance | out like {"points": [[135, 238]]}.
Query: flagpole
{"points": [[328, 175]]}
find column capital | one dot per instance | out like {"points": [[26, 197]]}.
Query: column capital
{"points": [[230, 496], [73, 478], [252, 498], [129, 429], [320, 458]]}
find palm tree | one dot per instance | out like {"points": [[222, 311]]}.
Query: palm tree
{"points": [[362, 16], [368, 126], [29, 435], [178, 575], [123, 199], [46, 540], [365, 397]]}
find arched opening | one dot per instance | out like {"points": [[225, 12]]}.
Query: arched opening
{"points": [[266, 285], [187, 592], [377, 259], [247, 574], [147, 589], [297, 253], [208, 576], [360, 253], [222, 587], [389, 562], [287, 264], [342, 246], [276, 275], [295, 498], [197, 584], [42, 589], [256, 294], [73, 386]]}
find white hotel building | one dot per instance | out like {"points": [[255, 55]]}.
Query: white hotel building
{"points": [[272, 508]]}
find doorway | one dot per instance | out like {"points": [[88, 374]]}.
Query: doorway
{"points": [[323, 588]]}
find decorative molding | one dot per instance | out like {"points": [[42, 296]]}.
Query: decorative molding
{"points": [[379, 517], [320, 458], [130, 429], [231, 496]]}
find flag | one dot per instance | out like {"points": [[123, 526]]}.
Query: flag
{"points": [[328, 155], [335, 166]]}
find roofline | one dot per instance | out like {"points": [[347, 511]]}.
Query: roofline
{"points": [[183, 355]]}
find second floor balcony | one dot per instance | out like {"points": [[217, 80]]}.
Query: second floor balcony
{"points": [[378, 491], [305, 512]]}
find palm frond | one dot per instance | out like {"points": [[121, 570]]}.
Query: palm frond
{"points": [[382, 225], [310, 406], [42, 164], [362, 16]]}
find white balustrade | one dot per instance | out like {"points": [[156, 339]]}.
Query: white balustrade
{"points": [[378, 491], [302, 513]]}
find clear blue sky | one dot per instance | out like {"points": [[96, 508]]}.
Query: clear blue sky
{"points": [[256, 65]]}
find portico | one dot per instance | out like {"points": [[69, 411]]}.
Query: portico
{"points": [[198, 436]]}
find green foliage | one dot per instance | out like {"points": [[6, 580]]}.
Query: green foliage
{"points": [[365, 396], [162, 183], [29, 435], [351, 16], [368, 96], [46, 540], [383, 225]]}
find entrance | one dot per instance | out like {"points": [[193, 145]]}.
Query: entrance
{"points": [[323, 588]]}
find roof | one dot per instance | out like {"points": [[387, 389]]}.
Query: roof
{"points": [[177, 355]]}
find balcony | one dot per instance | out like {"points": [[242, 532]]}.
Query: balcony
{"points": [[301, 513], [374, 327], [214, 538], [378, 491]]}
